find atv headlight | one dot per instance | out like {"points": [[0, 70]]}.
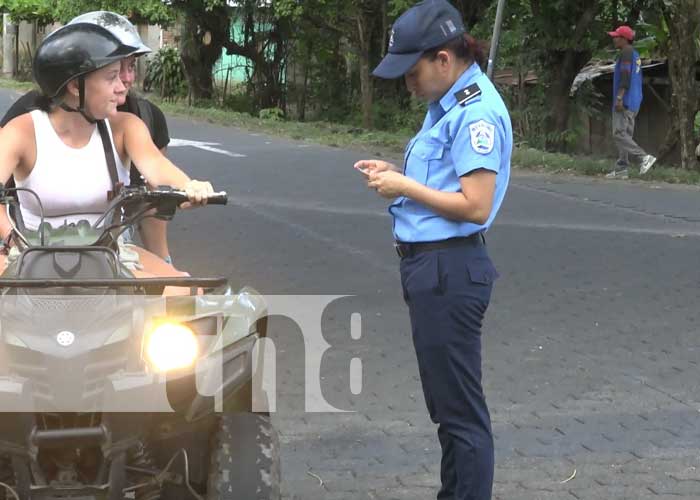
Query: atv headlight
{"points": [[171, 346]]}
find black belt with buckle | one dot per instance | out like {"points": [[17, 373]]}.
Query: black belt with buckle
{"points": [[411, 249]]}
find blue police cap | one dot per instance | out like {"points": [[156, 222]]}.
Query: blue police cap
{"points": [[426, 25]]}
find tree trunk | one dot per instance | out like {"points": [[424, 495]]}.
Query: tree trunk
{"points": [[385, 28], [266, 81], [682, 21], [268, 54], [565, 66], [366, 90], [521, 100], [198, 57], [473, 11], [669, 143], [305, 85]]}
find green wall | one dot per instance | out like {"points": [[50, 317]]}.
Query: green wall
{"points": [[236, 63]]}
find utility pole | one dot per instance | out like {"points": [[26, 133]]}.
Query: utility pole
{"points": [[9, 44], [495, 39]]}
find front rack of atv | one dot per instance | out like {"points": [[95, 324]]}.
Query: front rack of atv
{"points": [[151, 286]]}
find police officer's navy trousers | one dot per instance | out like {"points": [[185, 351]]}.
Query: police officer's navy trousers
{"points": [[447, 292]]}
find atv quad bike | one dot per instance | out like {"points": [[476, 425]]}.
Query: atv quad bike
{"points": [[113, 388]]}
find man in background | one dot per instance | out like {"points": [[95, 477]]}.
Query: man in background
{"points": [[627, 99]]}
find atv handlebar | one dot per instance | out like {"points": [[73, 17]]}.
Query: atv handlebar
{"points": [[164, 199], [180, 197], [128, 207]]}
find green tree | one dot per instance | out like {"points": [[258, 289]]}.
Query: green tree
{"points": [[48, 11], [206, 26], [44, 12], [562, 36], [263, 38], [318, 69], [555, 39], [41, 11], [683, 20], [361, 28], [359, 23], [205, 31]]}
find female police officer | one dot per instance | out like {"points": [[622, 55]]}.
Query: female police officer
{"points": [[452, 183]]}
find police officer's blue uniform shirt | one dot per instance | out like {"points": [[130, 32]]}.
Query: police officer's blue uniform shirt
{"points": [[454, 141]]}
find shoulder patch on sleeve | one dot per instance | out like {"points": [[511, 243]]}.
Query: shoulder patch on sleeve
{"points": [[483, 136], [467, 94]]}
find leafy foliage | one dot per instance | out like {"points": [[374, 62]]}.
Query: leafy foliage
{"points": [[48, 11], [311, 59], [272, 114], [165, 74]]}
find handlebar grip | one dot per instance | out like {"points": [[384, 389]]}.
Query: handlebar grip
{"points": [[220, 198]]}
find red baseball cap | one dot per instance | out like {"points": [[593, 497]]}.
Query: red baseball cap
{"points": [[623, 32]]}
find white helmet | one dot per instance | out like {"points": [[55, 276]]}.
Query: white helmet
{"points": [[118, 25]]}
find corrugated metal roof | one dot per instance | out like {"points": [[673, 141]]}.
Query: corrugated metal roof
{"points": [[509, 76], [596, 69]]}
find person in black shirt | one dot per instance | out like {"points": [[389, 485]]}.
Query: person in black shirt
{"points": [[153, 232], [77, 70]]}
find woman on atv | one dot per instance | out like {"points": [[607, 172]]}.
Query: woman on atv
{"points": [[153, 232], [59, 152]]}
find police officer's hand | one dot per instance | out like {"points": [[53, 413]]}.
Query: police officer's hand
{"points": [[619, 106], [197, 192], [375, 166], [388, 183]]}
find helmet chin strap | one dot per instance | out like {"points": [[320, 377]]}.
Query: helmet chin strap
{"points": [[81, 109]]}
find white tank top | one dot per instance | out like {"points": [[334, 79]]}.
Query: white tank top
{"points": [[72, 182]]}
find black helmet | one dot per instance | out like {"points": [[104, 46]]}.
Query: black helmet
{"points": [[74, 51]]}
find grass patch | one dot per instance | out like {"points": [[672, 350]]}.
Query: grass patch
{"points": [[329, 134], [535, 159], [559, 163], [8, 83], [393, 143], [383, 143], [671, 175]]}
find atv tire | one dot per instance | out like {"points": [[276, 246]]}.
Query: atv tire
{"points": [[245, 459], [7, 476]]}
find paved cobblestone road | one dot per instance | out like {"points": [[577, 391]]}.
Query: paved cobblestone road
{"points": [[591, 344]]}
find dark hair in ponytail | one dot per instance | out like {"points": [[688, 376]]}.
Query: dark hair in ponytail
{"points": [[465, 47], [45, 103]]}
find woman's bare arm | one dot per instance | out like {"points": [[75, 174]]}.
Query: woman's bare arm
{"points": [[153, 165], [13, 146]]}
